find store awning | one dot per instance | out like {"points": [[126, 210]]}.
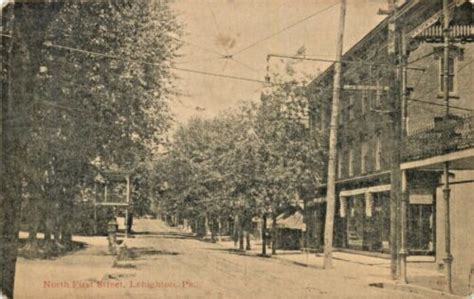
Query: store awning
{"points": [[373, 189], [292, 221]]}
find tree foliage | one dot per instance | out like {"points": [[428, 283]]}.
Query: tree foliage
{"points": [[259, 158], [91, 111]]}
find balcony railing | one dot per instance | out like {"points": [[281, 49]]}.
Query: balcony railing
{"points": [[444, 136]]}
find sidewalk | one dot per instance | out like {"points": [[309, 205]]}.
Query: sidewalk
{"points": [[423, 276]]}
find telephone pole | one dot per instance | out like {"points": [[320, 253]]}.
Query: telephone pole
{"points": [[331, 184], [393, 41], [448, 259], [404, 195]]}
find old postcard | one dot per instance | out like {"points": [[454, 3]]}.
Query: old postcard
{"points": [[237, 149]]}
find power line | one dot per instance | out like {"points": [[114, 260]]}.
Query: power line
{"points": [[219, 75], [420, 58], [465, 65], [437, 104], [343, 61], [51, 45], [199, 60], [215, 24], [244, 65], [197, 46], [284, 29]]}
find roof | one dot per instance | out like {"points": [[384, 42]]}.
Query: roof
{"points": [[291, 221], [115, 176], [367, 40]]}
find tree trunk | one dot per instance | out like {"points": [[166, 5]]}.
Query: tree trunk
{"points": [[33, 216], [15, 129], [264, 232], [33, 219], [247, 235], [241, 235], [274, 220], [49, 244], [219, 229], [213, 228], [206, 225], [67, 208], [235, 230]]}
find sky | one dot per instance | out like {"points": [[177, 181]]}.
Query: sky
{"points": [[215, 28], [249, 30]]}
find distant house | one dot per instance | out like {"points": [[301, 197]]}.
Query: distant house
{"points": [[365, 139], [289, 230]]}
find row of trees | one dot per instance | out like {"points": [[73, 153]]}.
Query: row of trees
{"points": [[254, 161], [77, 97]]}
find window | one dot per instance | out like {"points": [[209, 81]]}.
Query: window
{"points": [[378, 94], [341, 117], [351, 108], [378, 152], [364, 102], [452, 75], [363, 156], [339, 165], [322, 124], [351, 162]]}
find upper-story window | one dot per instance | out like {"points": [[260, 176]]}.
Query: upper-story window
{"points": [[351, 107], [322, 119], [344, 112], [339, 165], [452, 82], [378, 152], [364, 101], [350, 162], [364, 149], [378, 93]]}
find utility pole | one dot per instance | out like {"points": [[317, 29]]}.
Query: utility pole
{"points": [[404, 183], [448, 259], [331, 184], [395, 173]]}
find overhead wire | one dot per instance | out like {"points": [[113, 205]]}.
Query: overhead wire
{"points": [[197, 46], [198, 61], [439, 104], [284, 29], [51, 45], [214, 19], [244, 65]]}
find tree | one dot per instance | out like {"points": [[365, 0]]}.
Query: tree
{"points": [[123, 100], [256, 160], [293, 157], [68, 107], [18, 61]]}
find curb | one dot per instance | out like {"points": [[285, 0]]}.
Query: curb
{"points": [[415, 289]]}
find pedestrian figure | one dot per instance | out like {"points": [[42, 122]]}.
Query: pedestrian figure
{"points": [[112, 235]]}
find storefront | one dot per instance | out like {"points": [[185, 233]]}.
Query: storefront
{"points": [[366, 213], [365, 218], [314, 218]]}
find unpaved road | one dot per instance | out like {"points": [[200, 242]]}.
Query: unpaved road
{"points": [[171, 264]]}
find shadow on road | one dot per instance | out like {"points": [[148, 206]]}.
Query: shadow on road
{"points": [[42, 249], [141, 251], [165, 235], [229, 250]]}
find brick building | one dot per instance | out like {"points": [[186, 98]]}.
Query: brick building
{"points": [[366, 140]]}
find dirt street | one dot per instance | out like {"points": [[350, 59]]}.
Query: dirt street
{"points": [[167, 263]]}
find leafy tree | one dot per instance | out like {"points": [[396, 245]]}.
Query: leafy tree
{"points": [[82, 107], [256, 160]]}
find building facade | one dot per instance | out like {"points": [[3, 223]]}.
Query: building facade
{"points": [[366, 140]]}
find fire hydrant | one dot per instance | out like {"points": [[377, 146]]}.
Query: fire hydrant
{"points": [[112, 235]]}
